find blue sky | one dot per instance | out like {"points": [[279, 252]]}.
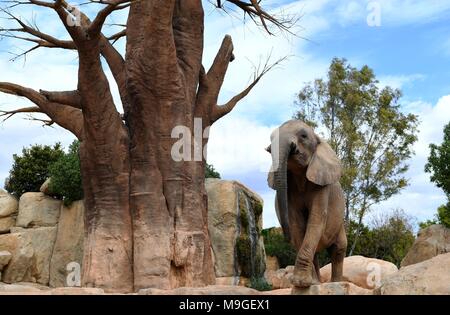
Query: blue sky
{"points": [[410, 50]]}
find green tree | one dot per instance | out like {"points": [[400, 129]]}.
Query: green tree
{"points": [[31, 169], [365, 126], [388, 237], [210, 172], [439, 162], [66, 176]]}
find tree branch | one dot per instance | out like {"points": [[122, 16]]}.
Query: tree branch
{"points": [[70, 98], [67, 117], [220, 111]]}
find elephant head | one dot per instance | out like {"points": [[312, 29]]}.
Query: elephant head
{"points": [[295, 147]]}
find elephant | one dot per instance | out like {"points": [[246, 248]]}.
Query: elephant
{"points": [[309, 199]]}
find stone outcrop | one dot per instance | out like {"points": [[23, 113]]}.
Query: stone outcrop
{"points": [[332, 288], [431, 241], [6, 224], [362, 271], [431, 276], [209, 290], [31, 251], [272, 263], [235, 223], [69, 242], [281, 278], [38, 210], [8, 204]]}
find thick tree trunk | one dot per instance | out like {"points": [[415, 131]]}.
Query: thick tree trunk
{"points": [[167, 198]]}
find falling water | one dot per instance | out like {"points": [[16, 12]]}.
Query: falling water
{"points": [[252, 234], [236, 275]]}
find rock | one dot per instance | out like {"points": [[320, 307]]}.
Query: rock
{"points": [[278, 292], [281, 278], [69, 243], [209, 290], [431, 276], [17, 288], [77, 291], [21, 261], [242, 281], [5, 257], [45, 187], [31, 251], [431, 241], [332, 288], [235, 223], [37, 210], [6, 224], [272, 263], [8, 204], [364, 272]]}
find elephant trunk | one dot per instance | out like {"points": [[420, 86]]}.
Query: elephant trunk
{"points": [[280, 154]]}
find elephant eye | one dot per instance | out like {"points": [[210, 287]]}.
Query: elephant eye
{"points": [[304, 135]]}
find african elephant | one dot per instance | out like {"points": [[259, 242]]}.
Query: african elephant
{"points": [[309, 199]]}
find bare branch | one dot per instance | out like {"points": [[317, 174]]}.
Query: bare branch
{"points": [[10, 113], [99, 20], [67, 117], [220, 111], [254, 10], [70, 98]]}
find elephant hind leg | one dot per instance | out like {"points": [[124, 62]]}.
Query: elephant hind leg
{"points": [[337, 252]]}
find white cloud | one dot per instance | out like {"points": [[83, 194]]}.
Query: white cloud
{"points": [[399, 81]]}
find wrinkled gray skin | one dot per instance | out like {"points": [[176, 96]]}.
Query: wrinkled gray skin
{"points": [[309, 200]]}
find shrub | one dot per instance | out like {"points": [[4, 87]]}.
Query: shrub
{"points": [[210, 172], [31, 169], [260, 284], [389, 238], [444, 214], [276, 245], [66, 176]]}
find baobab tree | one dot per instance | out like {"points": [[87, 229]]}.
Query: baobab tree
{"points": [[146, 214]]}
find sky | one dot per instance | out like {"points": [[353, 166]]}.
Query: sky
{"points": [[405, 42]]}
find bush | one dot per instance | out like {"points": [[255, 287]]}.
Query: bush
{"points": [[276, 245], [388, 238], [66, 176], [444, 214], [31, 169], [260, 284], [210, 172]]}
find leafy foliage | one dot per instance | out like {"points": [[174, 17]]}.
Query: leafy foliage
{"points": [[367, 130], [388, 238], [439, 162], [31, 169], [210, 172], [66, 176], [277, 246], [260, 284]]}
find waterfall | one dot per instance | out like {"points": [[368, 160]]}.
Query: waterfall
{"points": [[252, 234]]}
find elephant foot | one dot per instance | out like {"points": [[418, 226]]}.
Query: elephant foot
{"points": [[303, 278]]}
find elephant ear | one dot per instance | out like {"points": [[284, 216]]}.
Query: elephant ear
{"points": [[325, 167]]}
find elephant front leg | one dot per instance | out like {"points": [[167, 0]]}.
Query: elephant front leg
{"points": [[304, 264]]}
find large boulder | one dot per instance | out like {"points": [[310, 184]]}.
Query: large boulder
{"points": [[281, 278], [431, 276], [69, 242], [6, 224], [38, 210], [5, 257], [235, 224], [431, 241], [8, 204], [362, 271], [332, 288], [31, 251], [209, 290]]}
